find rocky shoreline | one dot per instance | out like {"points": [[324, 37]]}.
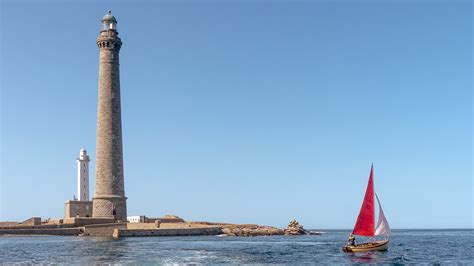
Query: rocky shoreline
{"points": [[294, 228]]}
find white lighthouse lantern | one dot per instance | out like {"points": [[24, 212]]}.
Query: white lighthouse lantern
{"points": [[109, 22]]}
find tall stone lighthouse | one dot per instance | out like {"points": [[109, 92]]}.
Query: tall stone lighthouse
{"points": [[109, 198]]}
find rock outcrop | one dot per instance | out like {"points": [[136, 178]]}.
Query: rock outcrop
{"points": [[294, 228], [250, 230], [243, 229]]}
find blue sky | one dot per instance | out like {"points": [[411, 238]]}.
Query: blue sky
{"points": [[247, 111]]}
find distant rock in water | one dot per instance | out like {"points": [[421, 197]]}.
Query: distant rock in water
{"points": [[294, 228]]}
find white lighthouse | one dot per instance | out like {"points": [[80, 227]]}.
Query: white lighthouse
{"points": [[83, 176]]}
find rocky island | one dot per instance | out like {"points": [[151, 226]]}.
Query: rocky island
{"points": [[105, 214], [169, 225]]}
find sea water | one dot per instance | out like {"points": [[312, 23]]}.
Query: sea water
{"points": [[406, 246]]}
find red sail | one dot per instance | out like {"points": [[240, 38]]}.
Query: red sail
{"points": [[366, 220]]}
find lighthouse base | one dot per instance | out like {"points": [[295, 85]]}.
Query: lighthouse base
{"points": [[110, 207]]}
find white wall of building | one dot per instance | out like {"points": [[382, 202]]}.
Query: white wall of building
{"points": [[136, 219]]}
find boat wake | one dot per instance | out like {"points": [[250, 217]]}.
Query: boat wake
{"points": [[400, 259]]}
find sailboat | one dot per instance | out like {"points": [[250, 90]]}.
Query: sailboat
{"points": [[366, 221]]}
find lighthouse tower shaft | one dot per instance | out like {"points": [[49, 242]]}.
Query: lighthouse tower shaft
{"points": [[109, 198], [83, 176]]}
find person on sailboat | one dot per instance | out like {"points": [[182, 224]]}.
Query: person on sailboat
{"points": [[351, 241]]}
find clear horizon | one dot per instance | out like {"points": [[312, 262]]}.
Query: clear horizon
{"points": [[247, 112]]}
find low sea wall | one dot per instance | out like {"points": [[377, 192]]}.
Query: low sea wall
{"points": [[166, 220], [168, 232], [103, 229], [134, 226], [50, 231], [81, 221], [43, 226]]}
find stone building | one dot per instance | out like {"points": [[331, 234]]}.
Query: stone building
{"points": [[109, 198], [77, 208]]}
